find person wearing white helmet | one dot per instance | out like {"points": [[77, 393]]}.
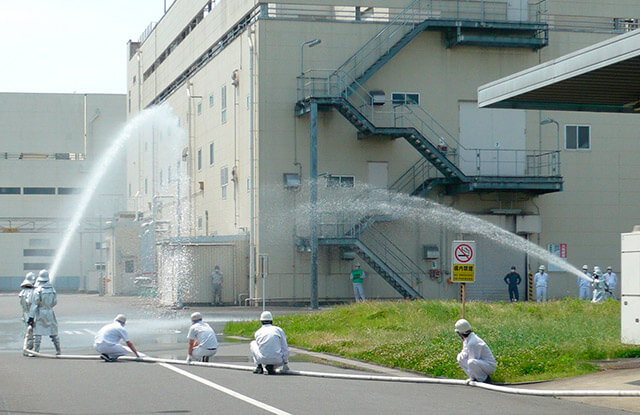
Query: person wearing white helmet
{"points": [[270, 346], [41, 314], [357, 277], [540, 281], [26, 297], [107, 340], [611, 279], [202, 340], [584, 285], [599, 286], [476, 358]]}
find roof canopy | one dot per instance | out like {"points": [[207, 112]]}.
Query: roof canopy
{"points": [[604, 77]]}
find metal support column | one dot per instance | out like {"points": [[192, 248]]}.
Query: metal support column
{"points": [[313, 197]]}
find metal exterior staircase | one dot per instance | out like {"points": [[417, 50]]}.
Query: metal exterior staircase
{"points": [[379, 252]]}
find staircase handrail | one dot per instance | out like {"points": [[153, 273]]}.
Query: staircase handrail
{"points": [[393, 256]]}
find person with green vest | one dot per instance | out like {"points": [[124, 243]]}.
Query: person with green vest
{"points": [[357, 277]]}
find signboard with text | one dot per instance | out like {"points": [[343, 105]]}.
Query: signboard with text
{"points": [[463, 261], [559, 250]]}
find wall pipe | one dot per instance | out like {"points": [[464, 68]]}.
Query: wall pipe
{"points": [[379, 378]]}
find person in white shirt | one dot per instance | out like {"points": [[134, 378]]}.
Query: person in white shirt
{"points": [[202, 340], [540, 281], [584, 284], [611, 279], [475, 359], [107, 340], [270, 346]]}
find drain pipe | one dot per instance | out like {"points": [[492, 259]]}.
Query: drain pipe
{"points": [[252, 226], [378, 378]]}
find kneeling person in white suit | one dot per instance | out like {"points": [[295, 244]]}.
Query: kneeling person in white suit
{"points": [[202, 340], [107, 341], [270, 346], [476, 358]]}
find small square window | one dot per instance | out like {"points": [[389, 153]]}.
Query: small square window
{"points": [[211, 153], [577, 137], [199, 159], [211, 100], [199, 108]]}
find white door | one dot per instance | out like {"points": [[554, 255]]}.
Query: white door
{"points": [[378, 174]]}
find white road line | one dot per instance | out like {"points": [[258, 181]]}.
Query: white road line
{"points": [[226, 390], [68, 332], [92, 332], [77, 332]]}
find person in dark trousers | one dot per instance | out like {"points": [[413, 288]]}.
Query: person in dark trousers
{"points": [[512, 280]]}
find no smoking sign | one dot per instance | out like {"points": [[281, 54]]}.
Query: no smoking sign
{"points": [[463, 261]]}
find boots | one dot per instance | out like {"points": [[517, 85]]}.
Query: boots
{"points": [[258, 370], [56, 344]]}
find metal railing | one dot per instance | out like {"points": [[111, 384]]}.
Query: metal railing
{"points": [[389, 253]]}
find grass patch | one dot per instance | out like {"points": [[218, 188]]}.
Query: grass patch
{"points": [[531, 341]]}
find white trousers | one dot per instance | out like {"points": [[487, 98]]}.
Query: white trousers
{"points": [[541, 294], [110, 349], [477, 369], [259, 359], [199, 352], [585, 293], [358, 291]]}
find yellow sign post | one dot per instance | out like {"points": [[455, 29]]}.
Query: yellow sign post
{"points": [[463, 266]]}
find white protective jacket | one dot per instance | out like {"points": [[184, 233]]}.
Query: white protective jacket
{"points": [[476, 358], [43, 300], [25, 296], [270, 346]]}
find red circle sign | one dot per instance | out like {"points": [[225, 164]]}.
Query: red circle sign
{"points": [[463, 253]]}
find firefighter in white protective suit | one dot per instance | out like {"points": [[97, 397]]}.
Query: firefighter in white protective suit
{"points": [[41, 315], [270, 346], [475, 359], [202, 340], [26, 296]]}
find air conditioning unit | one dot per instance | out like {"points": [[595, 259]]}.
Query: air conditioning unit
{"points": [[377, 97]]}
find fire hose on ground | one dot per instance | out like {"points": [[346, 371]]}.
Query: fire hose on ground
{"points": [[379, 378]]}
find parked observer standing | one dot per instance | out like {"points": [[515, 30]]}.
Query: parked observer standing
{"points": [[107, 340], [476, 358], [202, 340], [216, 280], [270, 346], [512, 280], [584, 285], [611, 279], [357, 277], [26, 297], [540, 281], [41, 314]]}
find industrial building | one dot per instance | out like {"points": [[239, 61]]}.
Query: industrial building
{"points": [[51, 144], [307, 121]]}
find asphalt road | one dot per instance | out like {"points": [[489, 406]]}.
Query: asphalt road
{"points": [[61, 386]]}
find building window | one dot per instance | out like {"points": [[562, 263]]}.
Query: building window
{"points": [[146, 186], [69, 190], [128, 266], [38, 252], [577, 137], [211, 153], [35, 266], [200, 222], [129, 189], [38, 243], [405, 98], [98, 245], [340, 181], [224, 181], [39, 191], [199, 159], [161, 177], [211, 99], [9, 190], [199, 108], [223, 104]]}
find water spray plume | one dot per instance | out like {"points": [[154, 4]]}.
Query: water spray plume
{"points": [[99, 170], [366, 201]]}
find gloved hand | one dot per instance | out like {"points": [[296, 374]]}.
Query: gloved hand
{"points": [[30, 321], [189, 359], [285, 368]]}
